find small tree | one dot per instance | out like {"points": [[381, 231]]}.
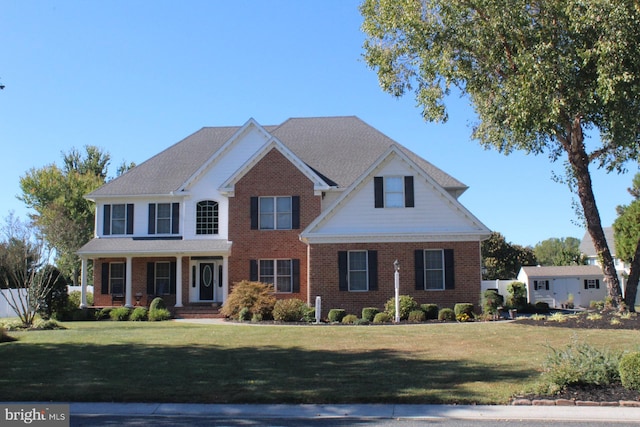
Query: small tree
{"points": [[23, 257], [517, 295]]}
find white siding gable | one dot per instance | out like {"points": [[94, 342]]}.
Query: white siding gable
{"points": [[436, 215]]}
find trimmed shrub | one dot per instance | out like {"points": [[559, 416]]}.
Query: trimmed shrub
{"points": [[46, 325], [103, 313], [157, 303], [447, 315], [417, 316], [541, 307], [463, 308], [430, 311], [159, 314], [289, 310], [407, 305], [382, 317], [517, 295], [368, 313], [336, 315], [629, 370], [139, 314], [309, 314], [491, 300], [256, 318], [349, 319], [120, 313], [255, 296]]}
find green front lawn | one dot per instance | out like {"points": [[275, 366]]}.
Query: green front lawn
{"points": [[484, 363]]}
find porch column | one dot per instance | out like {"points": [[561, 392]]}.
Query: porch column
{"points": [[179, 281], [83, 284], [128, 281]]}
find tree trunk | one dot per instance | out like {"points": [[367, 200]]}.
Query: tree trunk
{"points": [[631, 288], [579, 161]]}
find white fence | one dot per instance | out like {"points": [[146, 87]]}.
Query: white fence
{"points": [[500, 285], [7, 311], [5, 308]]}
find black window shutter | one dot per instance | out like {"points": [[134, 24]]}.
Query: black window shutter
{"points": [[175, 218], [378, 190], [152, 218], [253, 270], [449, 280], [130, 218], [419, 269], [586, 284], [597, 283], [343, 282], [151, 278], [106, 220], [254, 213], [295, 275], [104, 288], [546, 285], [295, 212], [172, 278], [373, 270], [408, 192]]}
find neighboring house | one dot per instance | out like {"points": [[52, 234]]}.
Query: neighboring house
{"points": [[558, 286], [588, 250], [315, 206]]}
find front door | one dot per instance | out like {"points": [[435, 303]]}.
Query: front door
{"points": [[207, 281]]}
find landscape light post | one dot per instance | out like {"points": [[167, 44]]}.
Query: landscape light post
{"points": [[396, 280]]}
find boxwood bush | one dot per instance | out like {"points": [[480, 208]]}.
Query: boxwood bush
{"points": [[446, 314], [350, 319], [417, 316], [430, 311], [382, 317], [407, 305], [463, 308], [630, 371], [120, 314], [139, 314], [159, 314], [336, 315], [368, 313]]}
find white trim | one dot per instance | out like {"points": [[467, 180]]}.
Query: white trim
{"points": [[394, 238]]}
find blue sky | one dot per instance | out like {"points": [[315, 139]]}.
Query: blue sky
{"points": [[134, 77]]}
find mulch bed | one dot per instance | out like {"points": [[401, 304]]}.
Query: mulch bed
{"points": [[589, 393]]}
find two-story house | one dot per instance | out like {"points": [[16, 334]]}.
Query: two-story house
{"points": [[315, 206]]}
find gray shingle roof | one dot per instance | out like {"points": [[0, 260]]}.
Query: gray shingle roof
{"points": [[586, 245], [563, 271], [339, 149]]}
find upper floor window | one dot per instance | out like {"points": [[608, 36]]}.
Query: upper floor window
{"points": [[164, 218], [393, 191], [434, 269], [275, 213], [207, 217], [117, 219], [358, 270]]}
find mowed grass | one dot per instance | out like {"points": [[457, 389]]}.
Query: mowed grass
{"points": [[483, 363]]}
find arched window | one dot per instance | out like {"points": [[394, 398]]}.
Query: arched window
{"points": [[207, 217]]}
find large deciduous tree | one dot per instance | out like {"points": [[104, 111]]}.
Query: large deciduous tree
{"points": [[62, 214], [626, 233], [538, 74], [559, 251], [503, 260]]}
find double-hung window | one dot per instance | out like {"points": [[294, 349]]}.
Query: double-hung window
{"points": [[275, 213], [117, 219], [541, 285], [393, 191], [207, 217], [434, 269], [162, 278], [116, 277], [277, 272], [358, 270], [164, 218], [591, 284]]}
